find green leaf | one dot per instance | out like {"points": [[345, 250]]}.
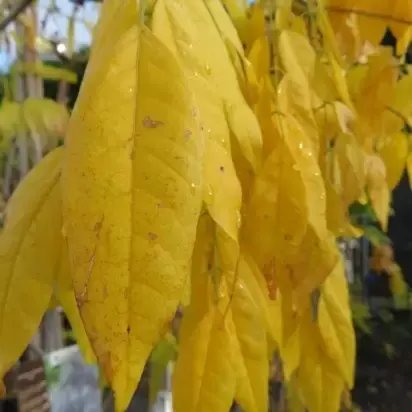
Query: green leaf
{"points": [[163, 353], [375, 236]]}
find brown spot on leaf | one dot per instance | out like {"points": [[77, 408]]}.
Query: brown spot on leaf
{"points": [[149, 123], [152, 236], [188, 133]]}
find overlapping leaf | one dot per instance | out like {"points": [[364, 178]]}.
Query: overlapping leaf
{"points": [[132, 192], [30, 247]]}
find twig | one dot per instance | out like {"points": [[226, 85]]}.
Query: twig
{"points": [[14, 14]]}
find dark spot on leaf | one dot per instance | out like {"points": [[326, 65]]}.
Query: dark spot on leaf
{"points": [[222, 168], [152, 236], [150, 123]]}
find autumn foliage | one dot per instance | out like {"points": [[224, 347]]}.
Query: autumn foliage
{"points": [[209, 164]]}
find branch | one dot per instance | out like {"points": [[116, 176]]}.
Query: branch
{"points": [[14, 14]]}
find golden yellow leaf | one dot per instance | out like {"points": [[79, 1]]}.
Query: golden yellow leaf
{"points": [[326, 347], [373, 90], [259, 57], [132, 186], [394, 152], [335, 324], [65, 295], [237, 10], [278, 187], [213, 80], [250, 316], [298, 59], [377, 187], [29, 256], [205, 374], [256, 27], [399, 109], [351, 158]]}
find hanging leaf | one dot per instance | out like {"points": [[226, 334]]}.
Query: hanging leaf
{"points": [[65, 296], [122, 221], [394, 152], [29, 256], [206, 337]]}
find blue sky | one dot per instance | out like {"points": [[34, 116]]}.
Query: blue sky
{"points": [[57, 24]]}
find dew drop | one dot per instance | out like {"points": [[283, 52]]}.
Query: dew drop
{"points": [[208, 69], [238, 219], [209, 196], [193, 187], [300, 145]]}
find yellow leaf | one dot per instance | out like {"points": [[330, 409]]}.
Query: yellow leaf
{"points": [[256, 27], [350, 157], [29, 256], [394, 153], [399, 108], [259, 56], [375, 88], [278, 187], [214, 83], [205, 375], [250, 316], [336, 212], [132, 187], [237, 10], [335, 324], [376, 182], [298, 59], [327, 348], [65, 295]]}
